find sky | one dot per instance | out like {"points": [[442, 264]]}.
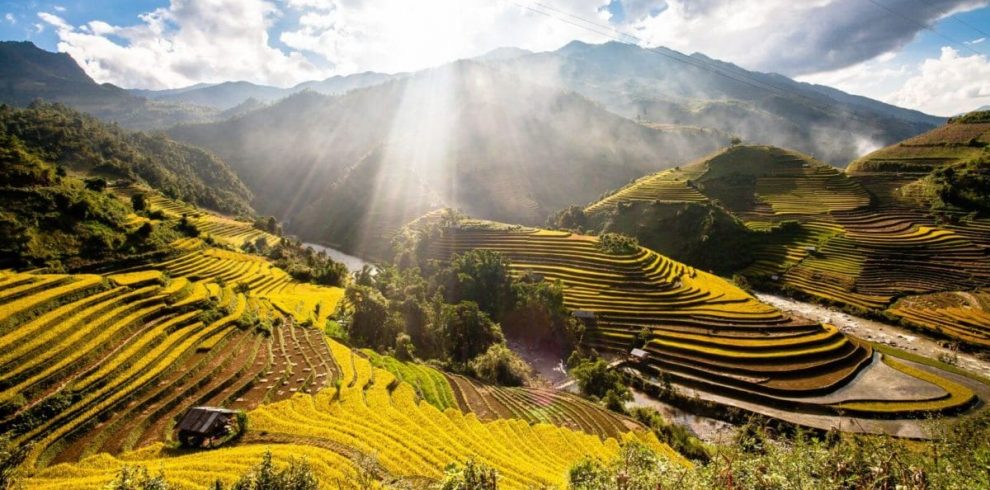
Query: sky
{"points": [[930, 55]]}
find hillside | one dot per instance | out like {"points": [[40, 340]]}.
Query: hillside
{"points": [[665, 86], [463, 135], [81, 143], [206, 325], [28, 73], [702, 332], [229, 95], [814, 231], [905, 173]]}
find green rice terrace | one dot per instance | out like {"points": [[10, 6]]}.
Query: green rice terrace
{"points": [[705, 334], [836, 237]]}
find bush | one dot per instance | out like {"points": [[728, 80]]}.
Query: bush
{"points": [[137, 478], [470, 476], [617, 244], [499, 365], [298, 475]]}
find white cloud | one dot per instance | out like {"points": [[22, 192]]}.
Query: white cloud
{"points": [[399, 35], [9, 17], [189, 41], [58, 8], [947, 85], [976, 41]]}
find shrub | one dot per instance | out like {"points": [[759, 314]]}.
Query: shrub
{"points": [[137, 478], [470, 476], [298, 475], [617, 244], [499, 365]]}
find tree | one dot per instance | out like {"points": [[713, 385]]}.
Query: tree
{"points": [[370, 323], [139, 201], [735, 141], [481, 276], [96, 184], [466, 331], [499, 365]]}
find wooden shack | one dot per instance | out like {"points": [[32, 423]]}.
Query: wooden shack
{"points": [[207, 426]]}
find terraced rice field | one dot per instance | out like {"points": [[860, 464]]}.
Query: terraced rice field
{"points": [[488, 402], [117, 358], [373, 415], [859, 244], [702, 330], [536, 405]]}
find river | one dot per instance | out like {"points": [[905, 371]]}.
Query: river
{"points": [[353, 263], [874, 331]]}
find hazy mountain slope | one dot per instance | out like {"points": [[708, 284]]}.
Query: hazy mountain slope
{"points": [[229, 95], [478, 138], [669, 87], [28, 73], [906, 172], [79, 142], [221, 96]]}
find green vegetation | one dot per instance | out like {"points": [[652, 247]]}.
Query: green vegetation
{"points": [[49, 219], [617, 243], [955, 459], [597, 380], [79, 142], [469, 476]]}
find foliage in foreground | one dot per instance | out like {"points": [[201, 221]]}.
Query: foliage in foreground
{"points": [[958, 458]]}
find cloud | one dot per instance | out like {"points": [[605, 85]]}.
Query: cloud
{"points": [[58, 8], [187, 42], [9, 17], [947, 85], [976, 41], [791, 37], [399, 35]]}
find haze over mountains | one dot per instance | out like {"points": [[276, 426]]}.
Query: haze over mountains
{"points": [[511, 135]]}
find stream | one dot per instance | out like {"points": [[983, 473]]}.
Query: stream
{"points": [[353, 263], [878, 332]]}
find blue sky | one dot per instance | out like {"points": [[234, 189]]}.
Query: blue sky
{"points": [[855, 45]]}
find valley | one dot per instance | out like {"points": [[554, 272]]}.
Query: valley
{"points": [[599, 266]]}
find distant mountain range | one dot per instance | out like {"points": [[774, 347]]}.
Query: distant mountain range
{"points": [[511, 135], [352, 169], [229, 95]]}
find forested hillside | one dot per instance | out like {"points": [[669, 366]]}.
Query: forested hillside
{"points": [[79, 142]]}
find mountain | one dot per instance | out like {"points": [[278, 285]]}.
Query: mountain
{"points": [[28, 73], [463, 135], [666, 86], [84, 144], [859, 239], [228, 95], [221, 96], [915, 171]]}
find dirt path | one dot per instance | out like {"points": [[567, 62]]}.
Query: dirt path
{"points": [[881, 333]]}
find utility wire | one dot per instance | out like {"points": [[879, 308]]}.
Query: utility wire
{"points": [[926, 27]]}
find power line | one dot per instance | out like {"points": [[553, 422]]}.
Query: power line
{"points": [[959, 20], [926, 27]]}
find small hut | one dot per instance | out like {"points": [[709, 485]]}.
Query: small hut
{"points": [[207, 426], [638, 355]]}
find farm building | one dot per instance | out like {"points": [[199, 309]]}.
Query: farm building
{"points": [[205, 426]]}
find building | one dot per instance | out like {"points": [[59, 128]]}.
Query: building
{"points": [[207, 426]]}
